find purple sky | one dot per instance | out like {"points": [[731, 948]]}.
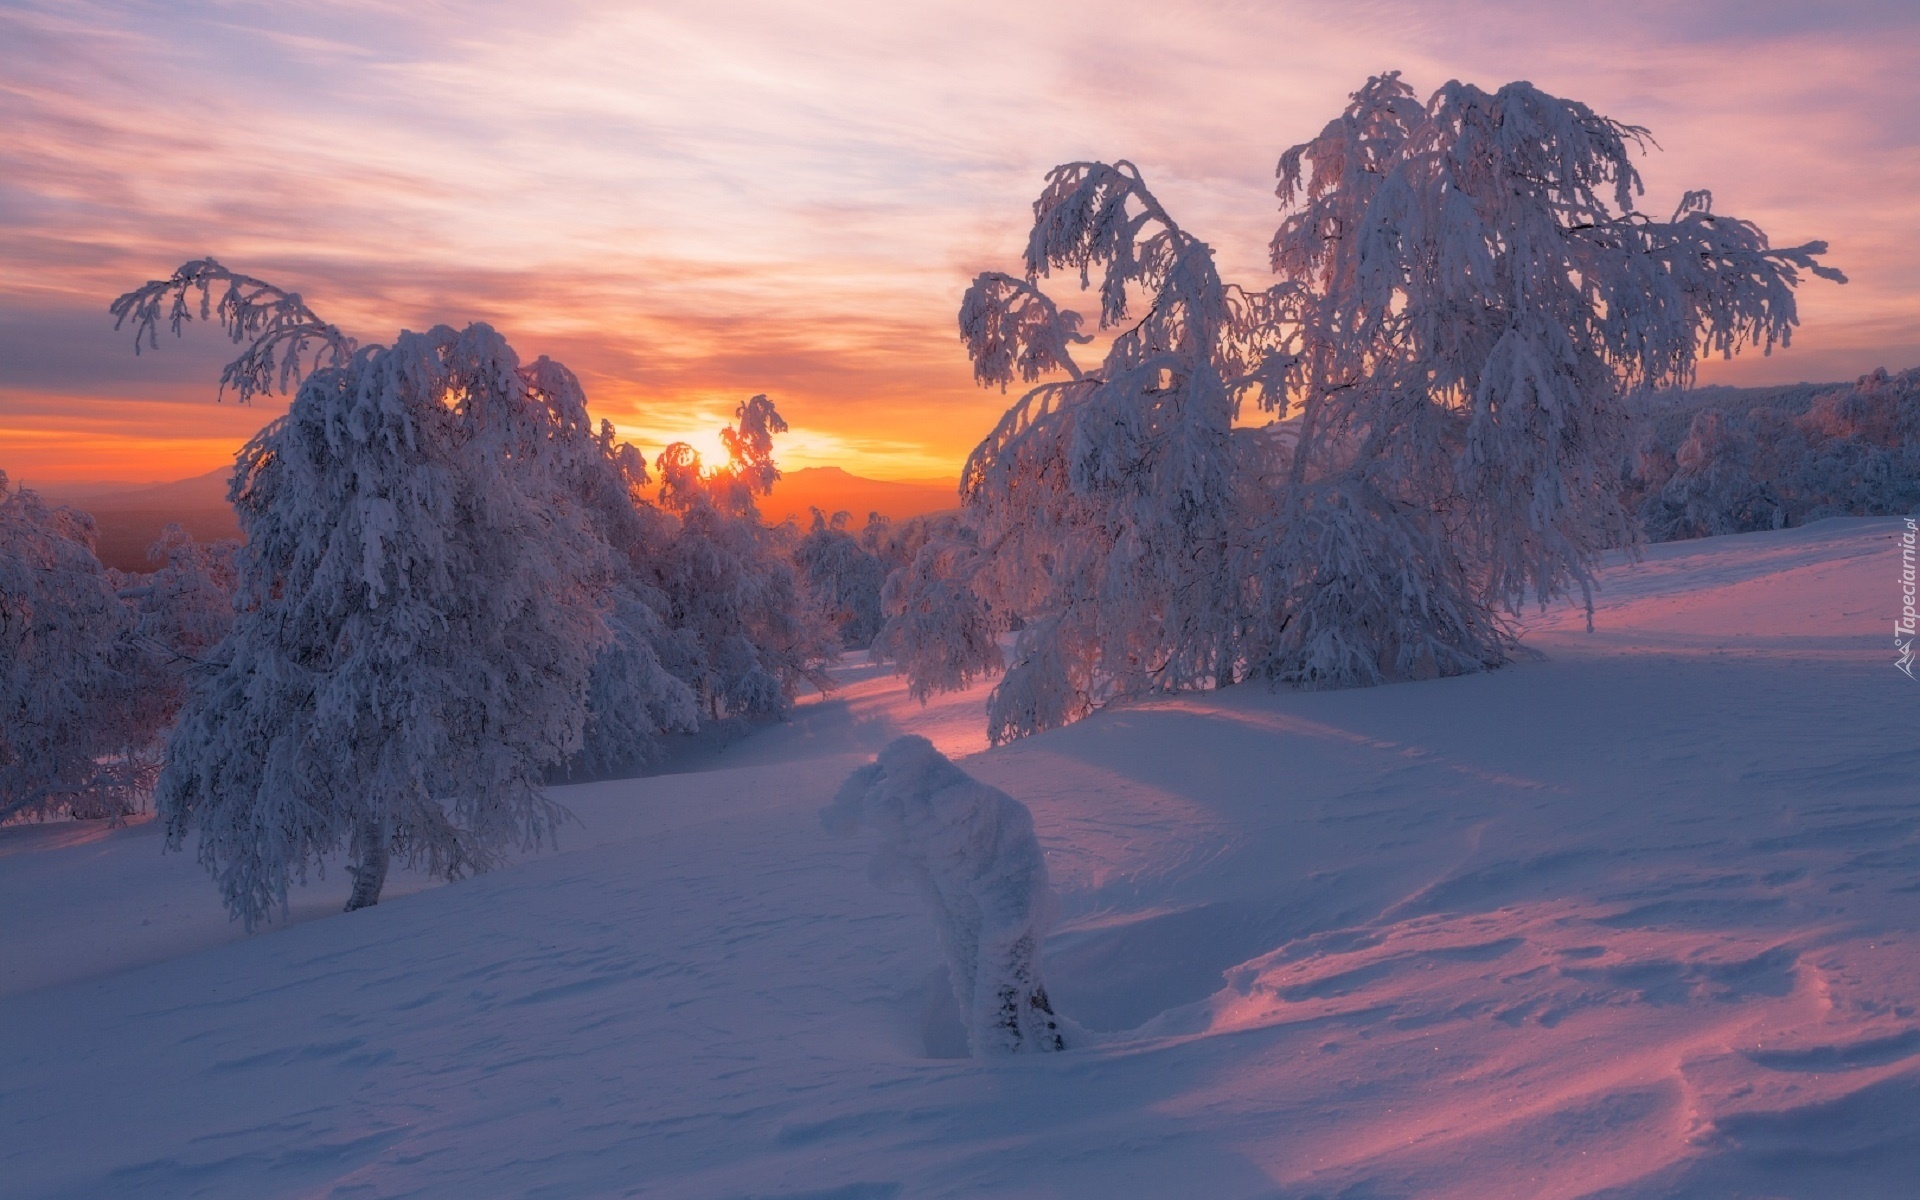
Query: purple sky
{"points": [[690, 203]]}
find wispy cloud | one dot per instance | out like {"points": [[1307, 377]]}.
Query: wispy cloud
{"points": [[689, 203]]}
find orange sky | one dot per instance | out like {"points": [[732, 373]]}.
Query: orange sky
{"points": [[690, 203]]}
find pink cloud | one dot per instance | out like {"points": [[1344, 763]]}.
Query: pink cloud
{"points": [[690, 202]]}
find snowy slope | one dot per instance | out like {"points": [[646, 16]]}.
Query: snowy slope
{"points": [[1641, 918]]}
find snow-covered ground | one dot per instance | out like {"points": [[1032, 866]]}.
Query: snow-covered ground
{"points": [[1639, 918]]}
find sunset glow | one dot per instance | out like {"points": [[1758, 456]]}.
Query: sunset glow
{"points": [[691, 204], [864, 599]]}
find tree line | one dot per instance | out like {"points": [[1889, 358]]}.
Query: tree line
{"points": [[455, 586]]}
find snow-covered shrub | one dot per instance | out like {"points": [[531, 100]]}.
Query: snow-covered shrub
{"points": [[971, 850], [72, 739], [845, 576], [639, 690]]}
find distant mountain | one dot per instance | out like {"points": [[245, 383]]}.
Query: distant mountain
{"points": [[832, 490], [202, 491], [130, 517]]}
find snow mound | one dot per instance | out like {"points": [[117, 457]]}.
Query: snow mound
{"points": [[971, 850]]}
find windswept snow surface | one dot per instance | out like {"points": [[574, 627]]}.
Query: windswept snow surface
{"points": [[1640, 918]]}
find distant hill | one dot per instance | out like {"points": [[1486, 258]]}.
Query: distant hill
{"points": [[202, 491], [832, 490], [130, 517]]}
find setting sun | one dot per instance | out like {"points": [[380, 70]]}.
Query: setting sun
{"points": [[705, 442]]}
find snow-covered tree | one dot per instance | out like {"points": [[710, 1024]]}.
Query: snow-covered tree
{"points": [[1106, 499], [1863, 456], [184, 607], [638, 691], [1716, 486], [1881, 408], [1466, 294], [451, 586], [422, 596], [72, 739], [635, 697], [179, 614], [729, 579], [939, 631], [1477, 293], [845, 575], [972, 852]]}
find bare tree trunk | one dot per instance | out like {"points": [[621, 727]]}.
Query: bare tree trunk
{"points": [[370, 873]]}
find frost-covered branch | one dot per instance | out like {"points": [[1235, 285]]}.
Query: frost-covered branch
{"points": [[283, 338], [1010, 326]]}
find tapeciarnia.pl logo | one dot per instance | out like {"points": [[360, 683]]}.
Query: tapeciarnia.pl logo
{"points": [[1903, 629]]}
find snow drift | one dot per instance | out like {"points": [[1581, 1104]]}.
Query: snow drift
{"points": [[1637, 920]]}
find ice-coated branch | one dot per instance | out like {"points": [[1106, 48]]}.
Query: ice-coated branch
{"points": [[277, 328], [1033, 418], [1082, 217], [1009, 325], [972, 850]]}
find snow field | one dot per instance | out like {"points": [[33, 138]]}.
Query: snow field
{"points": [[1636, 919]]}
